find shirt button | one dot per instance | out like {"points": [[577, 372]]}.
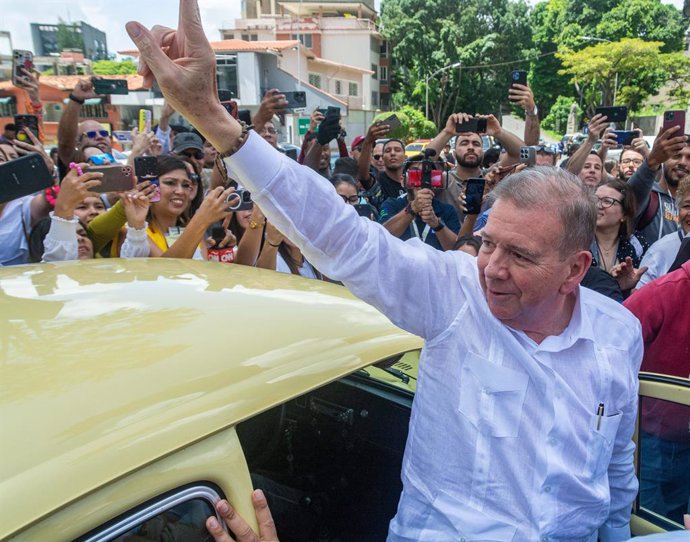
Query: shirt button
{"points": [[552, 441], [547, 489]]}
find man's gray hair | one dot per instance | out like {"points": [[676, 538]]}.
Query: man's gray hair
{"points": [[554, 190]]}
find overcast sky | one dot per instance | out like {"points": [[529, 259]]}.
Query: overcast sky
{"points": [[111, 16]]}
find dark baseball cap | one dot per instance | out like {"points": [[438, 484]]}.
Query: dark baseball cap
{"points": [[187, 140]]}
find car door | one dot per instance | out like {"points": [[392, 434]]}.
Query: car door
{"points": [[663, 454]]}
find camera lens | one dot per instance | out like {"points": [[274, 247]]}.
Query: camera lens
{"points": [[233, 200]]}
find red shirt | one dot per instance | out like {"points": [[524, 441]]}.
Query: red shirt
{"points": [[663, 308]]}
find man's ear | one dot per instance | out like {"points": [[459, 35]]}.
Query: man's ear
{"points": [[578, 265]]}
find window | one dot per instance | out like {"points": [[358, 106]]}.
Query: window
{"points": [[315, 80], [181, 515], [352, 89], [383, 73], [304, 39], [338, 87], [374, 98], [226, 72], [8, 106], [383, 49], [375, 70]]}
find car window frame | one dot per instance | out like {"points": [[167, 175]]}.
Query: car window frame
{"points": [[669, 388], [153, 507]]}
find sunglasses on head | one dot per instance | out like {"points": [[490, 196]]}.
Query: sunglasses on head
{"points": [[92, 134]]}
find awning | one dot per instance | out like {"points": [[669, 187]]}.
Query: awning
{"points": [[4, 100], [93, 101]]}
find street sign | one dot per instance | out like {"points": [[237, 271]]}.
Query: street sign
{"points": [[303, 125]]}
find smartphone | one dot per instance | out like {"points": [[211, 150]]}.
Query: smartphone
{"points": [[239, 200], [366, 210], [110, 86], [225, 95], [23, 176], [393, 121], [116, 178], [625, 137], [245, 115], [26, 121], [613, 114], [145, 117], [122, 136], [518, 77], [21, 59], [472, 125], [674, 118], [473, 195], [296, 99], [528, 155], [145, 167]]}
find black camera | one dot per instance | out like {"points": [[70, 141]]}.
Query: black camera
{"points": [[240, 200], [425, 176]]}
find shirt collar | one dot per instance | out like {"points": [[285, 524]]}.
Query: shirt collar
{"points": [[580, 327]]}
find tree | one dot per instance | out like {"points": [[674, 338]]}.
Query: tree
{"points": [[110, 67], [630, 69], [557, 119], [69, 36], [482, 35]]}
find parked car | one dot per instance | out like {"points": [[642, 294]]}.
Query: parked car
{"points": [[416, 147], [135, 393]]}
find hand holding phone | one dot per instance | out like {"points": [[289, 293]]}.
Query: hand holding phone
{"points": [[475, 125], [30, 122], [109, 86], [21, 60], [474, 194]]}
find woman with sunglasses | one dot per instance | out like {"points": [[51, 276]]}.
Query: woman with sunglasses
{"points": [[615, 244]]}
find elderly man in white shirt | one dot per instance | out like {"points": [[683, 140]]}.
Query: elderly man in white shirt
{"points": [[522, 424]]}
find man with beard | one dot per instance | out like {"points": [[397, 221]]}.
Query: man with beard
{"points": [[657, 213], [469, 153], [628, 163]]}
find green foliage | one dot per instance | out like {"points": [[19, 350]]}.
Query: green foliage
{"points": [[557, 119], [677, 67], [68, 36], [635, 65], [402, 131], [420, 127], [560, 25], [110, 67], [427, 35]]}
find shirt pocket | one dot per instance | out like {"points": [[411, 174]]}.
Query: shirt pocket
{"points": [[600, 445], [492, 396]]}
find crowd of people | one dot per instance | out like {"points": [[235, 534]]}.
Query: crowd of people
{"points": [[539, 231]]}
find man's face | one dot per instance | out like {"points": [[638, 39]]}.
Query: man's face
{"points": [[92, 133], [545, 159], [469, 152], [684, 214], [10, 134], [677, 167], [356, 152], [268, 132], [590, 174], [325, 159], [629, 162], [377, 157], [520, 269], [7, 153], [210, 154], [393, 156]]}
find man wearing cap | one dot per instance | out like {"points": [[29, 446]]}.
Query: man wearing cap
{"points": [[190, 148], [545, 156]]}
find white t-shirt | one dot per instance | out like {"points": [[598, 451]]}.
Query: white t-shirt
{"points": [[660, 256]]}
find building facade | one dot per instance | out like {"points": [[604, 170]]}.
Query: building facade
{"points": [[91, 41]]}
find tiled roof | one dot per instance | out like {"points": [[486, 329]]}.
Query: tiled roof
{"points": [[68, 82]]}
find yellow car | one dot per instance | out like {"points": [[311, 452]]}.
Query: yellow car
{"points": [[135, 393], [416, 147]]}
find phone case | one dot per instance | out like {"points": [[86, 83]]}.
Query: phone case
{"points": [[23, 176], [146, 167], [473, 195], [116, 178], [472, 125], [21, 59], [674, 118], [613, 114], [518, 77], [26, 121], [144, 120], [393, 121], [296, 99]]}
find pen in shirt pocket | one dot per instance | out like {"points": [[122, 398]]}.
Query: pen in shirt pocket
{"points": [[600, 413]]}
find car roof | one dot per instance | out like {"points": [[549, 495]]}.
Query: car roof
{"points": [[108, 365]]}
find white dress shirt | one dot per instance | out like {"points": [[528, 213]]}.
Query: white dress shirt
{"points": [[660, 257], [503, 442]]}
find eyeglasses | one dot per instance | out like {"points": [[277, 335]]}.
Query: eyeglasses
{"points": [[378, 156], [192, 153], [353, 200], [605, 203], [268, 131], [92, 134], [634, 161]]}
